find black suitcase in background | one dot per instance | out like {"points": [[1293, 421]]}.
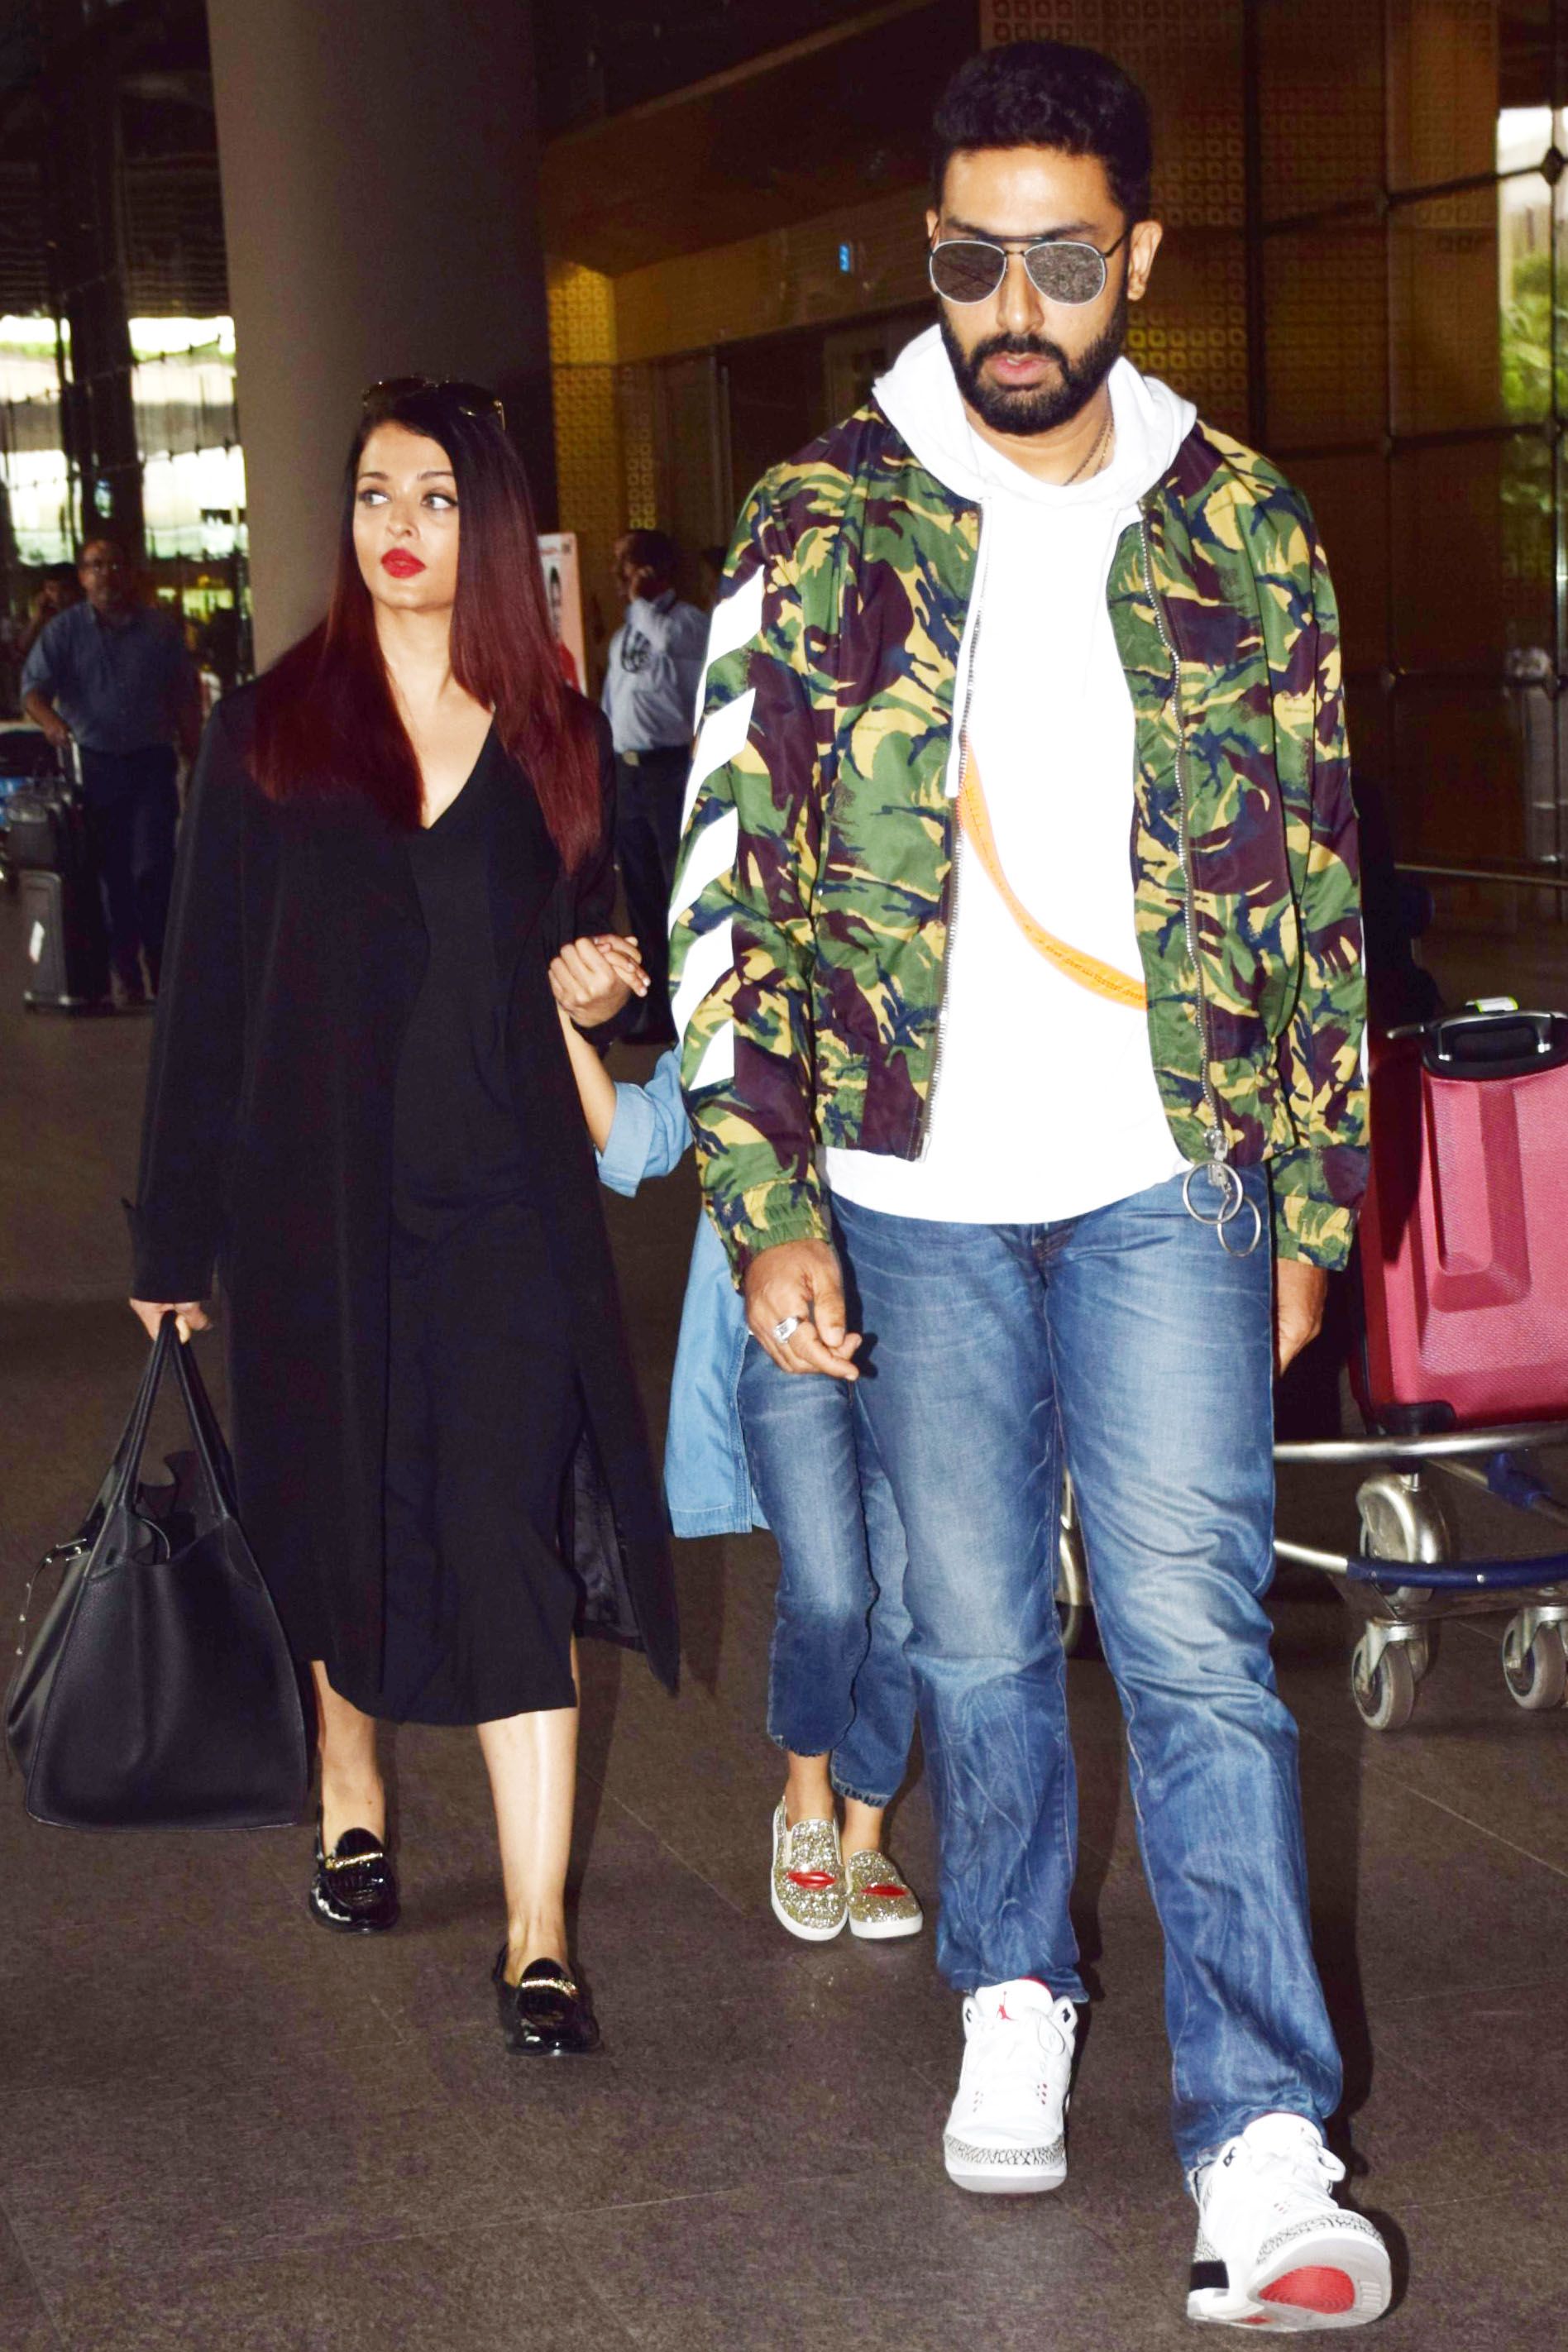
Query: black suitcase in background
{"points": [[68, 953]]}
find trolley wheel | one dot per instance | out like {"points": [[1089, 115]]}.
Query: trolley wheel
{"points": [[1385, 1693], [1074, 1615], [1423, 1649], [1536, 1674]]}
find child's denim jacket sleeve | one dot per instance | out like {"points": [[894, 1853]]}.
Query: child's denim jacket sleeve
{"points": [[707, 1480]]}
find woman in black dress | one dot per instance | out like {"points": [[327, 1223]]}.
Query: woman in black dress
{"points": [[360, 1109]]}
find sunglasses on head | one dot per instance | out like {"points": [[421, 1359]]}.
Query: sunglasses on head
{"points": [[971, 269], [467, 399]]}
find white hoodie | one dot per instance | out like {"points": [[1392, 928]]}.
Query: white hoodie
{"points": [[1045, 1104]]}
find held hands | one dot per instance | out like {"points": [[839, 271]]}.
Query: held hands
{"points": [[1301, 1292], [801, 1280], [591, 979], [193, 1316]]}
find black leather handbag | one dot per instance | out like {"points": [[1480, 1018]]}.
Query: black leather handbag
{"points": [[159, 1693]]}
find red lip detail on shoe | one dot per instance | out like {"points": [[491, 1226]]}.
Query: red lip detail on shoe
{"points": [[1313, 2289], [891, 1894], [811, 1880]]}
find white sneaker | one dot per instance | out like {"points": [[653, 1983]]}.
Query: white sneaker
{"points": [[1274, 2249], [1006, 2130]]}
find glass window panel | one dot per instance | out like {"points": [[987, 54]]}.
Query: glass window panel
{"points": [[1473, 574], [1322, 133], [1460, 795], [1469, 285], [1349, 500], [1326, 315], [1454, 67]]}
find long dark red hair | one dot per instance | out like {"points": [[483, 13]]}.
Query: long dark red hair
{"points": [[326, 716]]}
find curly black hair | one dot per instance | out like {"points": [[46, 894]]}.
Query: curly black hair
{"points": [[1048, 94]]}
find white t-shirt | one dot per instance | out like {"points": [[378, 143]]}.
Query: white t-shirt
{"points": [[1045, 1103]]}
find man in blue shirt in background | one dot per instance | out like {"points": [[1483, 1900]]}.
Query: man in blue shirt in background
{"points": [[113, 676], [650, 695]]}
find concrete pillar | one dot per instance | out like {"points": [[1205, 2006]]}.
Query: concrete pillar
{"points": [[379, 175]]}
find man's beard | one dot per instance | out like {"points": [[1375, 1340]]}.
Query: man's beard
{"points": [[1038, 407]]}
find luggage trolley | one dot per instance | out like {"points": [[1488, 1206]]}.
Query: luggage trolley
{"points": [[1462, 1373], [1405, 1580], [47, 847]]}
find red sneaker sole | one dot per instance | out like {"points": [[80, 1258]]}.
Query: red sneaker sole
{"points": [[1326, 2291]]}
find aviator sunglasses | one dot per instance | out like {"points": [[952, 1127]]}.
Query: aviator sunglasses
{"points": [[971, 269], [467, 399]]}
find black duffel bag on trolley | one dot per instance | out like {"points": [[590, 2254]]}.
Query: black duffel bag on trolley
{"points": [[159, 1693]]}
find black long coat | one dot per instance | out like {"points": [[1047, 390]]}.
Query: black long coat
{"points": [[295, 953]]}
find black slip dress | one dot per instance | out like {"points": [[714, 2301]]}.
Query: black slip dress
{"points": [[484, 1409]]}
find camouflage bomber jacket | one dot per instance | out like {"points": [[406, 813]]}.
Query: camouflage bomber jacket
{"points": [[812, 897]]}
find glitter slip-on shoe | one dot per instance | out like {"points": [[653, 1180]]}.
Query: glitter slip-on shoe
{"points": [[881, 1902], [548, 2014], [354, 1891], [807, 1884]]}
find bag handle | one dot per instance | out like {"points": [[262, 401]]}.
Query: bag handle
{"points": [[123, 1471], [212, 1450]]}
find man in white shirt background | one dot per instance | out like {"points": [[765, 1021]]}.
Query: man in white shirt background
{"points": [[650, 692]]}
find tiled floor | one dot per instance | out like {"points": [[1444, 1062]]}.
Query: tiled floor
{"points": [[221, 2128]]}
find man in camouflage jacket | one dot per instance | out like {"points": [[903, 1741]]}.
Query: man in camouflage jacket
{"points": [[832, 821]]}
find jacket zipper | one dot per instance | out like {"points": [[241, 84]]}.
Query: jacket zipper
{"points": [[1214, 1134], [951, 909]]}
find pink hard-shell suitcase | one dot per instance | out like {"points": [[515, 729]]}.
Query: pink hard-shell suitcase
{"points": [[1464, 1237]]}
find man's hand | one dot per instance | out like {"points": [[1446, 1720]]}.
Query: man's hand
{"points": [[49, 720], [1300, 1292], [801, 1280]]}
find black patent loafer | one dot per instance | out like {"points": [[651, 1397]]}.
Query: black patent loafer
{"points": [[354, 1891], [547, 2015]]}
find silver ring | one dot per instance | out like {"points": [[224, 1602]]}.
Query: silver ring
{"points": [[1233, 1200], [1224, 1242], [1223, 1177], [787, 1330]]}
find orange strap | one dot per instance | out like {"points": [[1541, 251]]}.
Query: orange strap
{"points": [[1100, 978]]}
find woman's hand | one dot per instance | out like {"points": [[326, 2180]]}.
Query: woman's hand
{"points": [[149, 1313], [592, 978]]}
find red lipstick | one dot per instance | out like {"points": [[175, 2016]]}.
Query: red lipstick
{"points": [[401, 563]]}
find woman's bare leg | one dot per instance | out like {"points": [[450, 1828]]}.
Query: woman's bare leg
{"points": [[808, 1797], [808, 1790], [354, 1796], [862, 1831], [533, 1764]]}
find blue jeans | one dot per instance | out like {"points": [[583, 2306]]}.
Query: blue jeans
{"points": [[1129, 1342], [839, 1683]]}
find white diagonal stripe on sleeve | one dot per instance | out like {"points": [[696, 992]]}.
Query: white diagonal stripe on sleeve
{"points": [[712, 853], [716, 1067], [708, 959], [723, 736], [736, 619]]}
